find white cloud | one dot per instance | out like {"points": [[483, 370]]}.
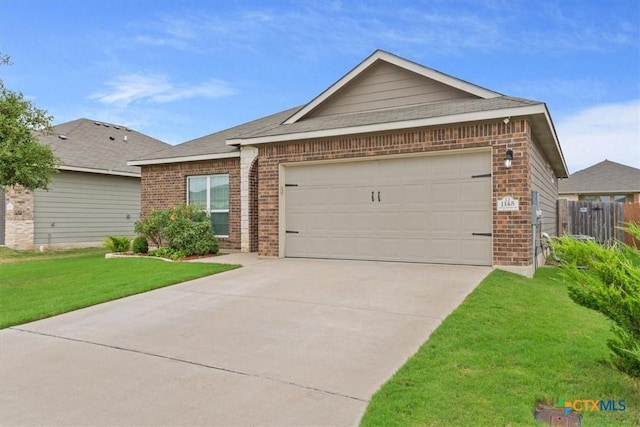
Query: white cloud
{"points": [[130, 88], [609, 131]]}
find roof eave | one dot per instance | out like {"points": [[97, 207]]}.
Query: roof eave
{"points": [[183, 159], [404, 124], [564, 172], [547, 132], [596, 191], [99, 171]]}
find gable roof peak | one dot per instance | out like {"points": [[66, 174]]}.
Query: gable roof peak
{"points": [[378, 56]]}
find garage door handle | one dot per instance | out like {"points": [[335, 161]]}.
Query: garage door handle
{"points": [[378, 196], [372, 199], [481, 234]]}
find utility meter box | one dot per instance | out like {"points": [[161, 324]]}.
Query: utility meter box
{"points": [[536, 212]]}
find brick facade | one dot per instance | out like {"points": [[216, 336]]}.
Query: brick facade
{"points": [[511, 230], [253, 207], [18, 218], [165, 186]]}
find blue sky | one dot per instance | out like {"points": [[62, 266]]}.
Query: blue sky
{"points": [[178, 70]]}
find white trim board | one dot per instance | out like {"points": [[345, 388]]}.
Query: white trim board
{"points": [[99, 171], [183, 159]]}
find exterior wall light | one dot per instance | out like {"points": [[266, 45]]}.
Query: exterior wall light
{"points": [[508, 158]]}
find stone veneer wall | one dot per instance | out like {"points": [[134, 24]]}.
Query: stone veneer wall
{"points": [[165, 186], [18, 218], [511, 230]]}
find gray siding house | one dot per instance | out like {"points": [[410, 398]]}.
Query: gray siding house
{"points": [[95, 193]]}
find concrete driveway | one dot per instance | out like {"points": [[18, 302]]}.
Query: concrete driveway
{"points": [[278, 342]]}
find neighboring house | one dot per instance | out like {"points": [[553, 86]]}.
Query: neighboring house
{"points": [[393, 162], [606, 181], [95, 193]]}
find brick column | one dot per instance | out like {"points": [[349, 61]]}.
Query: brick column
{"points": [[247, 157], [512, 239], [19, 218]]}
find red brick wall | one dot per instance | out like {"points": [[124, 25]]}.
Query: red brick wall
{"points": [[511, 230], [253, 207], [165, 186]]}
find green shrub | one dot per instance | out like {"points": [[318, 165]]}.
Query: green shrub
{"points": [[175, 255], [185, 228], [190, 230], [607, 279], [168, 253], [140, 245], [117, 244], [152, 227]]}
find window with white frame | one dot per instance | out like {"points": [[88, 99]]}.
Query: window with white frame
{"points": [[212, 194]]}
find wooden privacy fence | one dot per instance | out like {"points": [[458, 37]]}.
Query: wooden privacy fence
{"points": [[632, 213], [596, 219]]}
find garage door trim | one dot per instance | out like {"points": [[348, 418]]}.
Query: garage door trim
{"points": [[283, 167]]}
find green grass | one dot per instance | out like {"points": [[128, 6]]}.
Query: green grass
{"points": [[10, 255], [512, 343], [32, 290]]}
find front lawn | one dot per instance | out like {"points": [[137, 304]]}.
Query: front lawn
{"points": [[32, 290], [512, 343], [10, 255]]}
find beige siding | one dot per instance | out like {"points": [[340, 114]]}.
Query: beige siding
{"points": [[545, 183], [84, 208], [387, 86]]}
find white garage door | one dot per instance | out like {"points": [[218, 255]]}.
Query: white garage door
{"points": [[434, 209]]}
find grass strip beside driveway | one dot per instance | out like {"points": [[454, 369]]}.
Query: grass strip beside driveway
{"points": [[513, 342], [34, 290]]}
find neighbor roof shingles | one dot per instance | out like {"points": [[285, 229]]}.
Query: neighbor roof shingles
{"points": [[88, 144], [603, 177]]}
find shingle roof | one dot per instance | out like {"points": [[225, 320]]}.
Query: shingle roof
{"points": [[603, 177], [99, 146], [413, 112], [215, 143]]}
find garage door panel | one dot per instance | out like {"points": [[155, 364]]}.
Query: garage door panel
{"points": [[415, 222], [473, 164], [445, 221], [445, 192], [427, 211], [476, 191], [446, 250], [445, 169], [474, 221], [416, 194], [474, 247]]}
